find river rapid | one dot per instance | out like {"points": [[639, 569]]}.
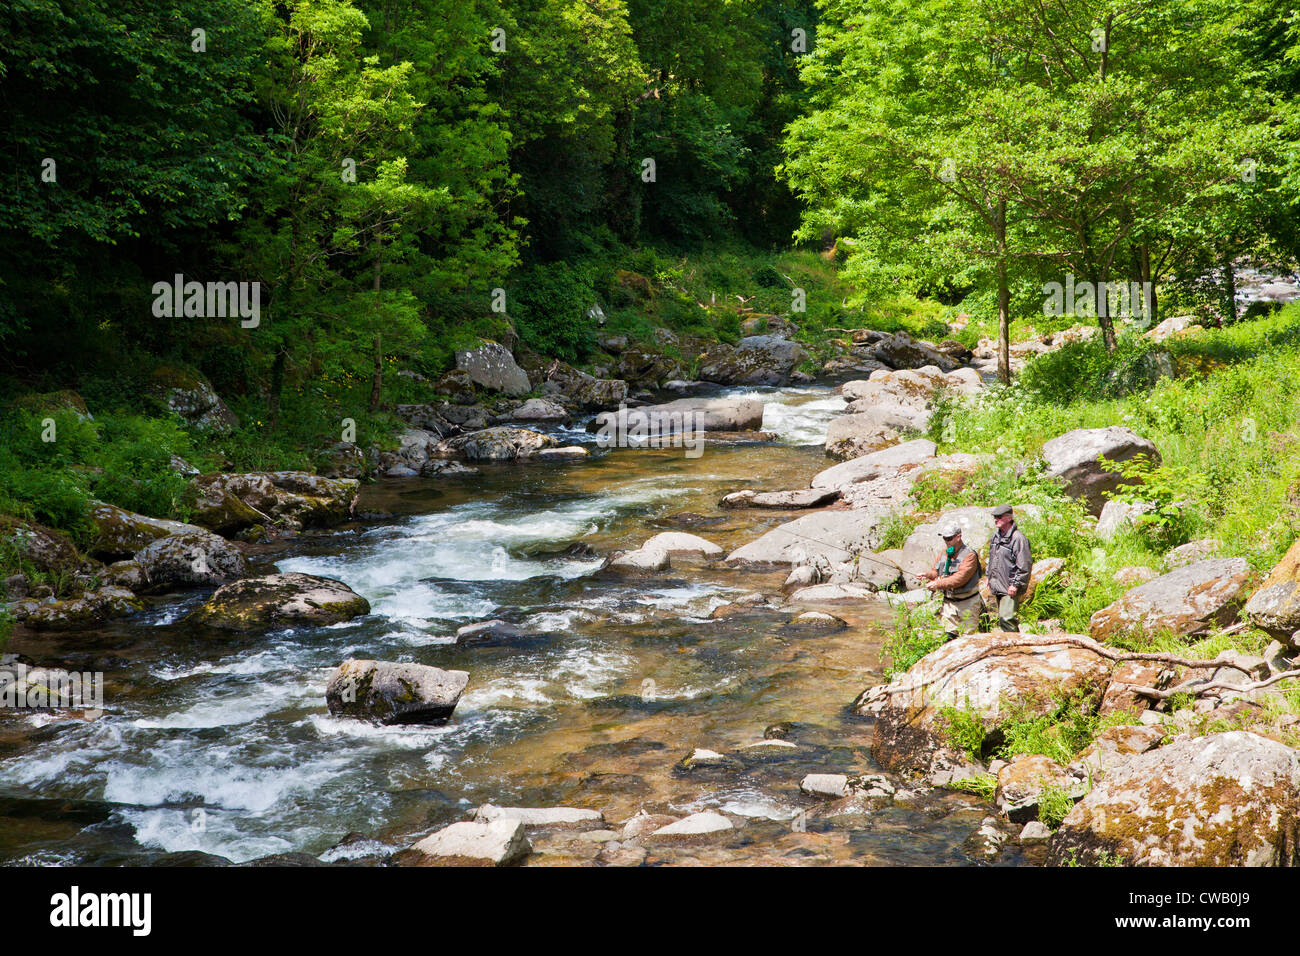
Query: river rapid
{"points": [[223, 748]]}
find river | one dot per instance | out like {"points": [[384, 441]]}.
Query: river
{"points": [[225, 747]]}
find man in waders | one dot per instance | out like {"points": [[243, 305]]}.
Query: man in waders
{"points": [[1010, 562], [956, 575]]}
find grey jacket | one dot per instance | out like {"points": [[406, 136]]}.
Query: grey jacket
{"points": [[1009, 561]]}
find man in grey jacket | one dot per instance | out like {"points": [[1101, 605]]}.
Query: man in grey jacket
{"points": [[1009, 565]]}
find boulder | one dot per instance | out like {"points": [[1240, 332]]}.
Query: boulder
{"points": [[190, 395], [756, 360], [1275, 607], [852, 436], [539, 410], [985, 675], [342, 460], [875, 464], [493, 367], [280, 600], [44, 549], [90, 609], [831, 594], [646, 367], [1114, 746], [1119, 696], [830, 536], [641, 561], [502, 443], [582, 391], [1073, 459], [457, 386], [816, 621], [393, 693], [499, 843], [188, 559], [781, 500], [684, 415], [1228, 799], [825, 785], [680, 544], [1190, 552], [1117, 515], [226, 503], [1132, 575], [901, 351], [1187, 601], [878, 571], [564, 453], [1023, 781]]}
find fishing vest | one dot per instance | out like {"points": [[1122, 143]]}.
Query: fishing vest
{"points": [[951, 563]]}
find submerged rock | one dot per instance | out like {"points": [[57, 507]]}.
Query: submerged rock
{"points": [[679, 544], [280, 600], [394, 693]]}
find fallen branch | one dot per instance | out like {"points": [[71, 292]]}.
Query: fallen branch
{"points": [[1063, 640], [1198, 687]]}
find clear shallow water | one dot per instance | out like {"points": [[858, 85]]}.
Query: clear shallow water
{"points": [[224, 745]]}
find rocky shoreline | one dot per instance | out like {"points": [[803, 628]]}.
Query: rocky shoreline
{"points": [[1209, 784]]}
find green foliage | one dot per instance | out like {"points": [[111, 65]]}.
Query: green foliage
{"points": [[1060, 733], [551, 302], [916, 633], [1053, 805], [1168, 488], [984, 786], [964, 730]]}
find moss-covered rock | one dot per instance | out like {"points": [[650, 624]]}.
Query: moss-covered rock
{"points": [[91, 609], [394, 693], [227, 503], [1275, 607], [121, 533], [189, 395], [280, 600], [1230, 799], [37, 546]]}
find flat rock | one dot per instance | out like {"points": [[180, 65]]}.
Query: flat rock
{"points": [[825, 785], [697, 824], [554, 817], [835, 536], [280, 600], [781, 500], [641, 561], [875, 464], [680, 544], [499, 843]]}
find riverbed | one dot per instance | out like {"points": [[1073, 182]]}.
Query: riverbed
{"points": [[221, 749]]}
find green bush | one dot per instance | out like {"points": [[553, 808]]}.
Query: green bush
{"points": [[550, 302]]}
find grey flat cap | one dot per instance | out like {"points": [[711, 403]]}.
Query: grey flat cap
{"points": [[948, 530], [1001, 510]]}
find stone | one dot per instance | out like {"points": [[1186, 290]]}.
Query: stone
{"points": [[756, 360], [781, 500], [879, 572], [1035, 833], [191, 396], [643, 823], [342, 460], [1229, 799], [226, 503], [499, 843], [703, 759], [1117, 515], [457, 386], [539, 410], [1187, 601], [803, 576], [493, 367], [44, 549], [637, 562], [834, 594], [683, 415], [582, 391], [1114, 746], [901, 351], [551, 817], [680, 544], [188, 559], [825, 785], [280, 600], [1073, 458], [1119, 698], [501, 443], [1275, 606], [697, 824], [90, 609], [835, 536], [983, 674], [1191, 552], [1133, 575], [852, 436], [120, 533], [394, 693], [873, 465], [1024, 780], [565, 453]]}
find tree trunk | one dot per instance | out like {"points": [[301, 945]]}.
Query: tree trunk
{"points": [[1004, 298], [1148, 284]]}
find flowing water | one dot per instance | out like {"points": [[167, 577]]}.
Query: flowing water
{"points": [[224, 745]]}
